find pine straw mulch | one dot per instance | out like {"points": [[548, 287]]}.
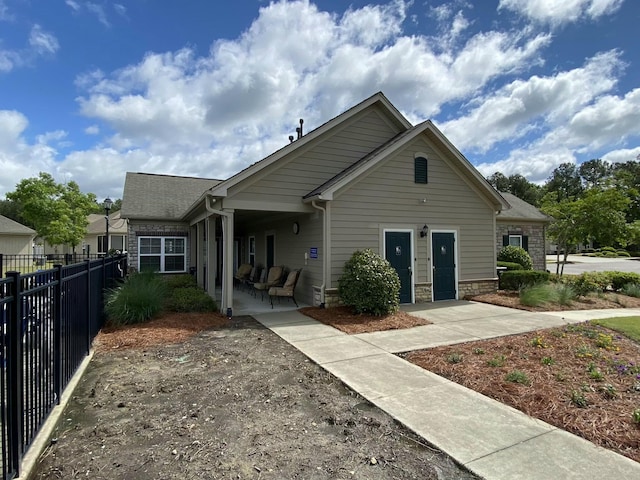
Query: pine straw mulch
{"points": [[346, 321], [557, 384], [511, 299], [167, 329]]}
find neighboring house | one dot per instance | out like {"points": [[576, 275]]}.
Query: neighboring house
{"points": [[95, 239], [523, 225], [15, 238], [365, 179]]}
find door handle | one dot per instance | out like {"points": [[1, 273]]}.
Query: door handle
{"points": [[410, 271]]}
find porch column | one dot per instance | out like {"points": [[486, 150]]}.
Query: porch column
{"points": [[227, 262], [210, 225]]}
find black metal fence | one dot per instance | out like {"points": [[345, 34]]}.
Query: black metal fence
{"points": [[49, 319], [27, 263]]}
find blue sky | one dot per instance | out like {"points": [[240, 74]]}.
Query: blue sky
{"points": [[92, 89]]}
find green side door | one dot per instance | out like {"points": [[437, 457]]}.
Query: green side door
{"points": [[398, 254], [444, 267]]}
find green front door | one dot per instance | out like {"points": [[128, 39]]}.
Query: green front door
{"points": [[444, 267], [398, 254]]}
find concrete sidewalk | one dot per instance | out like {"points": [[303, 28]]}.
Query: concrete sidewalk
{"points": [[491, 439]]}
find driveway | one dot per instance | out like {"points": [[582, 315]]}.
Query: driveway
{"points": [[577, 264]]}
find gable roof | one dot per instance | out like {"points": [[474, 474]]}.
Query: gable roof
{"points": [[330, 187], [97, 225], [521, 210], [149, 196], [11, 227], [376, 99]]}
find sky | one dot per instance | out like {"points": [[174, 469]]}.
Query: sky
{"points": [[92, 89]]}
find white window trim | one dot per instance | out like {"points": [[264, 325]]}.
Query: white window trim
{"points": [[518, 236], [251, 255], [162, 253]]}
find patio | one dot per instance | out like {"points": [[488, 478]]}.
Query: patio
{"points": [[245, 303]]}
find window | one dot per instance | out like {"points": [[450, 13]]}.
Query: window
{"points": [[420, 164], [102, 244], [252, 251], [515, 240], [162, 254]]}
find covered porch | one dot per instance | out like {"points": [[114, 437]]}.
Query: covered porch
{"points": [[245, 303]]}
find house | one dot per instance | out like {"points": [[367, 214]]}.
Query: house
{"points": [[523, 225], [15, 238], [94, 240], [365, 179]]}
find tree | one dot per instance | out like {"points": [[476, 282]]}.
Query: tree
{"points": [[595, 173], [58, 212], [517, 185], [626, 177], [564, 228], [565, 181], [11, 209], [602, 216], [499, 181]]}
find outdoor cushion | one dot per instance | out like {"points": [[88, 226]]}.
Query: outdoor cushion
{"points": [[273, 278], [288, 289]]}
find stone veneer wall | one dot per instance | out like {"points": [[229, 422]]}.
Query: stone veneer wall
{"points": [[477, 287], [422, 292], [536, 241], [154, 230]]}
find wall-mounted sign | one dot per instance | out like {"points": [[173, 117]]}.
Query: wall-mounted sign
{"points": [[313, 252]]}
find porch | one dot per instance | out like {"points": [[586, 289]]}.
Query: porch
{"points": [[245, 303]]}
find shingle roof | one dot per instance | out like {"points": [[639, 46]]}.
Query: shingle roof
{"points": [[149, 196], [520, 210], [11, 227]]}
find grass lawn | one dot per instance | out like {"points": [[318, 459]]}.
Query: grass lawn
{"points": [[628, 326]]}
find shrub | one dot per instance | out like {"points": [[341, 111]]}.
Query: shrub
{"points": [[510, 265], [517, 376], [541, 293], [190, 299], [180, 281], [516, 279], [623, 253], [589, 282], [607, 249], [631, 289], [369, 284], [620, 279], [519, 255], [139, 298]]}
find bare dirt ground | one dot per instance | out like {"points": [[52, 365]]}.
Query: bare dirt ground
{"points": [[232, 401]]}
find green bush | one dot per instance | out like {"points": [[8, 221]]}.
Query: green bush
{"points": [[180, 281], [519, 255], [589, 282], [623, 253], [190, 299], [542, 293], [369, 284], [620, 279], [517, 279], [608, 249], [631, 289], [139, 298], [510, 265]]}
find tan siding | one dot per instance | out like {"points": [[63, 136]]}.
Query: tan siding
{"points": [[387, 197], [16, 244], [289, 181]]}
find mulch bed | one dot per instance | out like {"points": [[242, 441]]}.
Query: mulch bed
{"points": [[557, 384], [511, 299], [346, 321]]}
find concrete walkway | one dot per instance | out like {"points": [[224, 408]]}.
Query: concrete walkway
{"points": [[491, 439]]}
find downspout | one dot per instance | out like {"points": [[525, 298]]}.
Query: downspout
{"points": [[225, 266], [324, 250]]}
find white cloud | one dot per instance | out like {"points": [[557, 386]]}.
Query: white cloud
{"points": [[515, 109], [95, 9], [4, 11], [42, 42], [557, 12], [92, 130], [622, 155]]}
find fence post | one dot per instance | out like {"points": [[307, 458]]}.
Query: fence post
{"points": [[1, 265], [88, 300], [57, 333], [14, 373]]}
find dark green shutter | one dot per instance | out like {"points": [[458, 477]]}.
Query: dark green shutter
{"points": [[525, 242], [420, 170], [505, 240]]}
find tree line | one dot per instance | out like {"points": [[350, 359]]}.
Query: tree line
{"points": [[594, 202], [56, 211]]}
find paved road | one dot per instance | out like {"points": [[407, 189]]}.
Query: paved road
{"points": [[578, 264]]}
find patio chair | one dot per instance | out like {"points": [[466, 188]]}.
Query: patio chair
{"points": [[288, 289], [242, 273], [273, 278], [253, 277]]}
